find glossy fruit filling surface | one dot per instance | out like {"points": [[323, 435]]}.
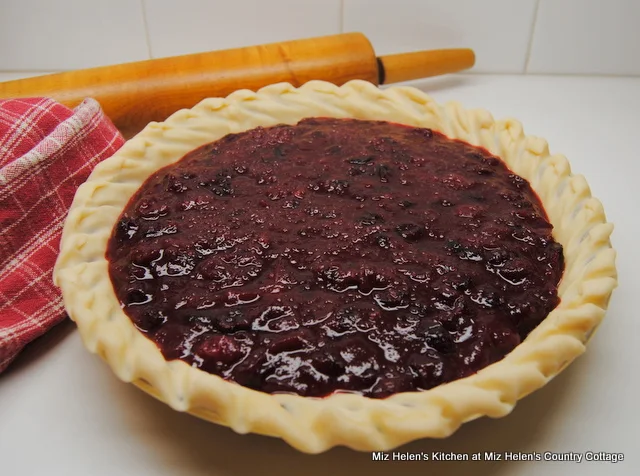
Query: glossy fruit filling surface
{"points": [[336, 255]]}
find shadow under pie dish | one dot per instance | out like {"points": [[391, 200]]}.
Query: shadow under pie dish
{"points": [[336, 265]]}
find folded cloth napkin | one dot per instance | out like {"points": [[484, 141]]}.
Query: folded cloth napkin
{"points": [[46, 152]]}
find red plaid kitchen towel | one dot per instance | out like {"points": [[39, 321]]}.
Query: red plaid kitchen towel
{"points": [[46, 152]]}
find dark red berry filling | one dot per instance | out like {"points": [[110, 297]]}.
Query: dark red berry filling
{"points": [[336, 255]]}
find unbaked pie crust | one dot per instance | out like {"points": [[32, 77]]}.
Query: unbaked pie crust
{"points": [[316, 424]]}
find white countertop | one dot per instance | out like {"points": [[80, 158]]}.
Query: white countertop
{"points": [[62, 412]]}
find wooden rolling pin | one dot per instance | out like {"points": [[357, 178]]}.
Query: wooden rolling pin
{"points": [[134, 94]]}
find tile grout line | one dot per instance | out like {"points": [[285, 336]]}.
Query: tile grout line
{"points": [[531, 36], [559, 75], [145, 24], [43, 71], [469, 74]]}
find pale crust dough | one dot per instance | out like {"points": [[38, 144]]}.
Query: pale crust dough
{"points": [[308, 424]]}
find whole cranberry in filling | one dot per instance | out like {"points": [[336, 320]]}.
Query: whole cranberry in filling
{"points": [[336, 255]]}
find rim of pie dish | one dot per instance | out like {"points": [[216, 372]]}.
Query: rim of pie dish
{"points": [[308, 424]]}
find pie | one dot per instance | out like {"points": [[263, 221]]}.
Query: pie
{"points": [[336, 265]]}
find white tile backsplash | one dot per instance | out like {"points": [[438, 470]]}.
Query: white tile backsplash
{"points": [[586, 37], [509, 36], [13, 75], [498, 30], [190, 26], [70, 34]]}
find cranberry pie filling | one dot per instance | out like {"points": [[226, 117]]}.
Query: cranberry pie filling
{"points": [[336, 255]]}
